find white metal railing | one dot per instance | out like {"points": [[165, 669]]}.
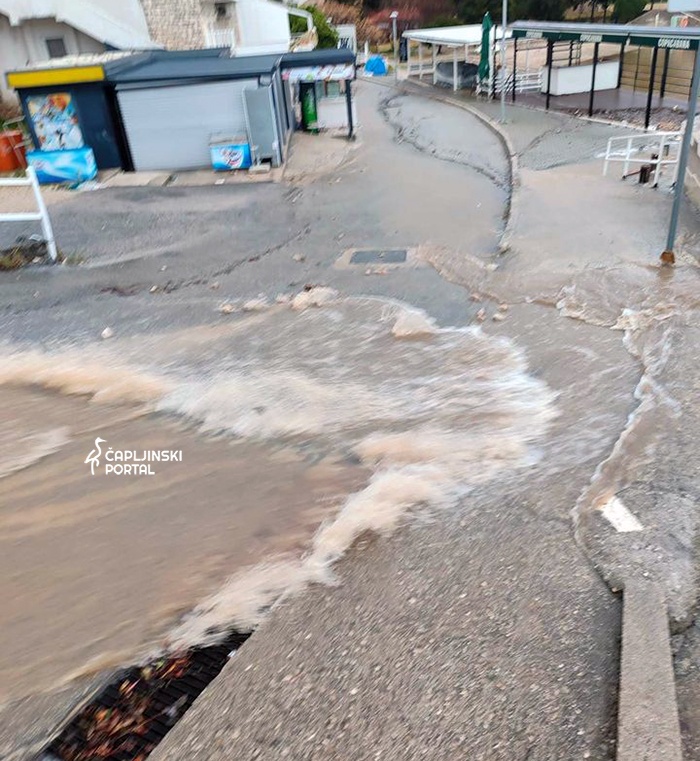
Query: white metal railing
{"points": [[42, 215], [626, 149], [220, 38], [526, 81]]}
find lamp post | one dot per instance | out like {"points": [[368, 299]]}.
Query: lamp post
{"points": [[394, 16], [504, 67]]}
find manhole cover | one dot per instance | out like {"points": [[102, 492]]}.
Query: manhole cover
{"points": [[379, 256]]}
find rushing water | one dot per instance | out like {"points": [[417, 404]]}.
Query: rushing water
{"points": [[300, 429], [302, 425]]}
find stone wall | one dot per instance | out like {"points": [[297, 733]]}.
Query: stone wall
{"points": [[178, 24]]}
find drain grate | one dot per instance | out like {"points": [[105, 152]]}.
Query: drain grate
{"points": [[379, 256], [130, 716]]}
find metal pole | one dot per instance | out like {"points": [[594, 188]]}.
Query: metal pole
{"points": [[46, 227], [504, 64], [454, 70], [595, 65], [664, 74], [396, 49], [550, 45], [515, 65], [348, 102], [668, 255], [650, 92], [622, 60]]}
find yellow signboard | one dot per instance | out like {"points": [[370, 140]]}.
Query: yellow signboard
{"points": [[48, 77]]}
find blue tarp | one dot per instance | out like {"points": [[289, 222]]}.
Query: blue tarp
{"points": [[376, 66]]}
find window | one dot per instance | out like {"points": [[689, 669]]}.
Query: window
{"points": [[56, 47], [221, 10]]}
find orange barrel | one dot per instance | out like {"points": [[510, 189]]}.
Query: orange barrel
{"points": [[12, 151]]}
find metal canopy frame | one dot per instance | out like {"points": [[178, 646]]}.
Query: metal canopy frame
{"points": [[466, 37], [670, 37], [667, 38]]}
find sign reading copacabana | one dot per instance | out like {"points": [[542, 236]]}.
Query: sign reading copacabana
{"points": [[668, 42]]}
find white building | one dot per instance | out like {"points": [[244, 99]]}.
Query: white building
{"points": [[36, 30], [247, 27]]}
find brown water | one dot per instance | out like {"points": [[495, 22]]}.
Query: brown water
{"points": [[300, 429], [96, 569]]}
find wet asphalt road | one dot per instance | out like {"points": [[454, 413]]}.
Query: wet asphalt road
{"points": [[183, 240], [485, 635]]}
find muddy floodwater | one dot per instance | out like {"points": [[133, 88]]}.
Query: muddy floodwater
{"points": [[299, 429], [96, 568]]}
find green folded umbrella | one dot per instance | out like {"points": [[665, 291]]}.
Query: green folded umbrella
{"points": [[484, 60]]}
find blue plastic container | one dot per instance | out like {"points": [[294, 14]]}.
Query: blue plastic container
{"points": [[77, 165], [228, 156]]}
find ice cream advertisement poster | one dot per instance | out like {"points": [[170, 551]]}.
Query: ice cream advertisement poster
{"points": [[55, 121]]}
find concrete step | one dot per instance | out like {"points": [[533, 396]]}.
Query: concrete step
{"points": [[648, 726]]}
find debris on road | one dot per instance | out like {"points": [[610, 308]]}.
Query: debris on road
{"points": [[23, 252], [313, 296]]}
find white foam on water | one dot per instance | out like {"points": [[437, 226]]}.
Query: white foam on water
{"points": [[26, 451], [413, 323], [105, 379], [430, 418], [317, 296]]}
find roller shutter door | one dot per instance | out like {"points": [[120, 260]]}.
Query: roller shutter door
{"points": [[170, 127]]}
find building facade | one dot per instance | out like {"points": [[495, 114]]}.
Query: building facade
{"points": [[38, 30], [247, 27]]}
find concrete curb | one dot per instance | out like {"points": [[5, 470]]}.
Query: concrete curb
{"points": [[648, 725], [513, 208]]}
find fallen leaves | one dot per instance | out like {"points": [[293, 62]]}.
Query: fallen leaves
{"points": [[123, 728]]}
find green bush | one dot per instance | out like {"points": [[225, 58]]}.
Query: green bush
{"points": [[626, 10], [327, 36]]}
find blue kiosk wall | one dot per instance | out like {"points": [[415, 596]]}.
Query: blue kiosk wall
{"points": [[93, 108]]}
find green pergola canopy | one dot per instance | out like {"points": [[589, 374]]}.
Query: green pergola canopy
{"points": [[668, 37]]}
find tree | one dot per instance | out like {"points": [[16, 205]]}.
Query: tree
{"points": [[443, 20], [346, 13], [472, 11], [327, 36], [544, 10], [626, 10]]}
